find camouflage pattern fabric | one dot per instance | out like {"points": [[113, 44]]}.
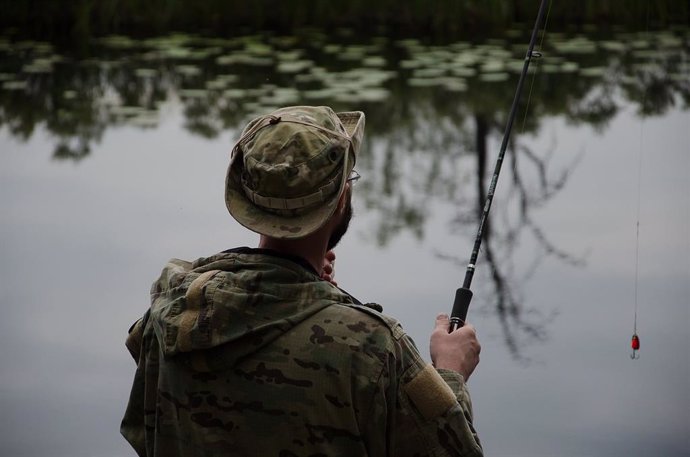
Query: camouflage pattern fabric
{"points": [[249, 354], [290, 167]]}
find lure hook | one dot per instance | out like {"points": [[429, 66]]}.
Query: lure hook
{"points": [[635, 345]]}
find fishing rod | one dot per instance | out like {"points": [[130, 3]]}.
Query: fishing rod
{"points": [[463, 295]]}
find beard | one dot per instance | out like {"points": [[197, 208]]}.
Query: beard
{"points": [[343, 225]]}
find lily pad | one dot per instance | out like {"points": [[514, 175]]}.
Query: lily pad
{"points": [[369, 76], [374, 61], [145, 120], [494, 77], [648, 67], [593, 71], [216, 84], [177, 52], [569, 67], [613, 46], [411, 64], [295, 54], [629, 80], [255, 61], [428, 72], [577, 45], [36, 69], [235, 93], [645, 54], [668, 40], [258, 49], [640, 44], [281, 97], [127, 110], [372, 95], [145, 72], [466, 59], [306, 78], [188, 70], [321, 94], [332, 49], [15, 85], [296, 66], [285, 41], [493, 66], [454, 84], [352, 53], [463, 71], [193, 93], [170, 41], [424, 82], [227, 60]]}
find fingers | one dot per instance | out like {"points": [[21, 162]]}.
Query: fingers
{"points": [[471, 333], [442, 322], [469, 328], [328, 270], [458, 350], [328, 261]]}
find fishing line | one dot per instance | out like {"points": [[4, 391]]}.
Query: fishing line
{"points": [[534, 75], [635, 341], [463, 295]]}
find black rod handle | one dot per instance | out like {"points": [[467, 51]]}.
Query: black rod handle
{"points": [[463, 297]]}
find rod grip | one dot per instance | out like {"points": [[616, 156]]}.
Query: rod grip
{"points": [[463, 297]]}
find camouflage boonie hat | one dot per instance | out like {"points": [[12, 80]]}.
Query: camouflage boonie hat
{"points": [[289, 168]]}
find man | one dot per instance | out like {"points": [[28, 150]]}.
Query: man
{"points": [[255, 352]]}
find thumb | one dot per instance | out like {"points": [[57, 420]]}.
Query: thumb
{"points": [[442, 322]]}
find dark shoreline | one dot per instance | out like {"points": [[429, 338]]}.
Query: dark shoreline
{"points": [[73, 21]]}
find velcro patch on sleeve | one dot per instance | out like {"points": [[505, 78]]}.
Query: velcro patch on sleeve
{"points": [[429, 393], [195, 291], [189, 316]]}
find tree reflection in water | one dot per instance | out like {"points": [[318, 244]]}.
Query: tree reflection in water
{"points": [[520, 325], [430, 112]]}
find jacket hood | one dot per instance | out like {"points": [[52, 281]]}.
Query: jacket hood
{"points": [[213, 312]]}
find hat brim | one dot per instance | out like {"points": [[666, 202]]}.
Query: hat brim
{"points": [[279, 226]]}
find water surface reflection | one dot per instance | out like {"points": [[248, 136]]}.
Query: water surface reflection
{"points": [[431, 112], [405, 86], [133, 173]]}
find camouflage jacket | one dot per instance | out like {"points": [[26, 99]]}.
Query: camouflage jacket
{"points": [[250, 354]]}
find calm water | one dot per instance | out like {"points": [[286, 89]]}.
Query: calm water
{"points": [[115, 162]]}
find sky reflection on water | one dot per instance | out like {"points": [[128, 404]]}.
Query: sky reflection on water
{"points": [[82, 241]]}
